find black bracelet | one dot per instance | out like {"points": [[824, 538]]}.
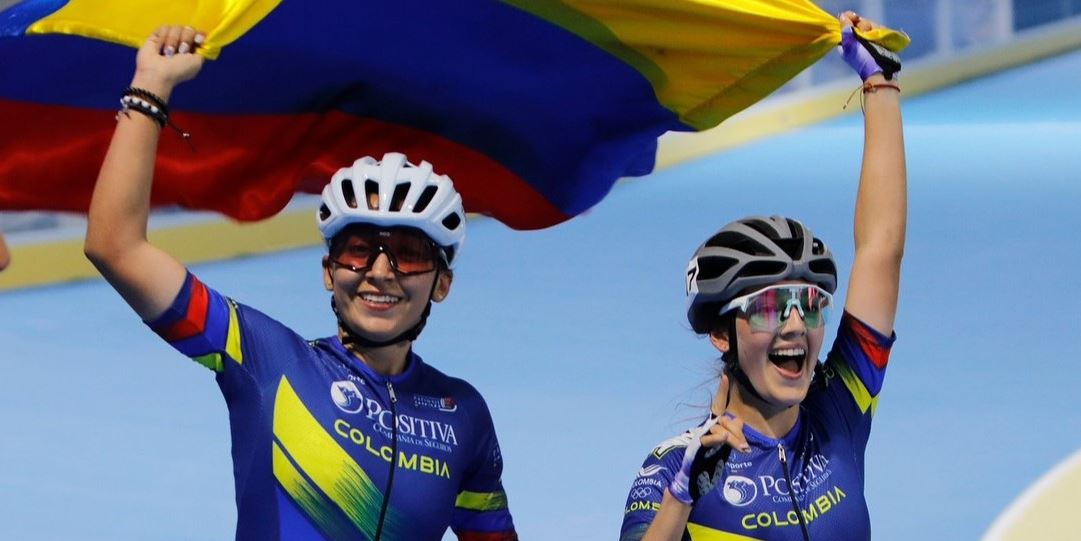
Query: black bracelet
{"points": [[139, 105], [147, 95], [146, 103]]}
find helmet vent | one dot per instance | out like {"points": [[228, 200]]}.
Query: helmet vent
{"points": [[796, 227], [452, 221], [371, 194], [739, 242], [711, 267], [764, 268], [324, 213], [425, 197], [766, 229], [396, 200], [792, 247], [349, 194], [823, 266]]}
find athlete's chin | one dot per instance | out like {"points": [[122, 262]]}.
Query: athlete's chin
{"points": [[789, 395], [380, 327], [379, 333]]}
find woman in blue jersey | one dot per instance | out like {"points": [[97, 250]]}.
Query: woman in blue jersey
{"points": [[350, 437], [781, 456]]}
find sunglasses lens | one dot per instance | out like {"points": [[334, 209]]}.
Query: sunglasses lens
{"points": [[410, 252], [356, 251], [769, 310], [764, 310], [413, 252], [816, 307]]}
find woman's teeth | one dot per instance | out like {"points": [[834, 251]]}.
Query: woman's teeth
{"points": [[789, 359], [381, 299]]}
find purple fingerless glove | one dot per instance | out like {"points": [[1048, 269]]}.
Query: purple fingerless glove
{"points": [[866, 57], [680, 487]]}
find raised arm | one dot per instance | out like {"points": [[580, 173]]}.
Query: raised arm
{"points": [[116, 241], [881, 204]]}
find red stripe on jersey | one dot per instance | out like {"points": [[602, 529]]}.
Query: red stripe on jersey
{"points": [[194, 321], [869, 344]]}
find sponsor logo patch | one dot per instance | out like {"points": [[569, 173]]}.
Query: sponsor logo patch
{"points": [[445, 403], [346, 396], [739, 490]]}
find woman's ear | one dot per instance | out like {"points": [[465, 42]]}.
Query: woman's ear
{"points": [[328, 282], [442, 286], [719, 339]]}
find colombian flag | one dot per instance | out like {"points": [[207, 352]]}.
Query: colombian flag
{"points": [[534, 107]]}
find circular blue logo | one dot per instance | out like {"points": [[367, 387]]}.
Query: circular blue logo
{"points": [[739, 491]]}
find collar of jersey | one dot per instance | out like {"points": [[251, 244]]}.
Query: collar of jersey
{"points": [[759, 439], [412, 365]]}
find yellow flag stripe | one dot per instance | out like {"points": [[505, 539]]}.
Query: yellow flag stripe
{"points": [[129, 23], [708, 59]]}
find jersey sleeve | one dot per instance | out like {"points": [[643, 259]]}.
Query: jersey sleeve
{"points": [[481, 512], [647, 490], [221, 334], [854, 372]]}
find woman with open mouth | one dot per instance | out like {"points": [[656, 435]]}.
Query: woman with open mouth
{"points": [[781, 454]]}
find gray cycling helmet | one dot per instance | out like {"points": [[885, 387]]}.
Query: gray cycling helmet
{"points": [[750, 253]]}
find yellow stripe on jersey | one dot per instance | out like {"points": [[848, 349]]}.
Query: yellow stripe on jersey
{"points": [[705, 533], [322, 511], [322, 460], [481, 501], [232, 340], [210, 360], [855, 386]]}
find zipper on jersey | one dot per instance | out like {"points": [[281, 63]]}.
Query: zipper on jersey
{"points": [[393, 459], [792, 491]]}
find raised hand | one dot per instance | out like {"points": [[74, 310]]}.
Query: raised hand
{"points": [[865, 57], [729, 428], [707, 450], [168, 58]]}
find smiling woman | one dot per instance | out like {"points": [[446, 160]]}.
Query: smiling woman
{"points": [[352, 436], [780, 455]]}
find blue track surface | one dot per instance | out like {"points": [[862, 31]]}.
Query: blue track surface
{"points": [[576, 336]]}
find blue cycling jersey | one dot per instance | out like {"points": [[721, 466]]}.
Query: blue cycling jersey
{"points": [[824, 453], [312, 427]]}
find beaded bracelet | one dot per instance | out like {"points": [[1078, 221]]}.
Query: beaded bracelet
{"points": [[147, 95], [133, 103], [147, 103]]}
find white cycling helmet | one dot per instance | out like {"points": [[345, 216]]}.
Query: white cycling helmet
{"points": [[408, 196]]}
